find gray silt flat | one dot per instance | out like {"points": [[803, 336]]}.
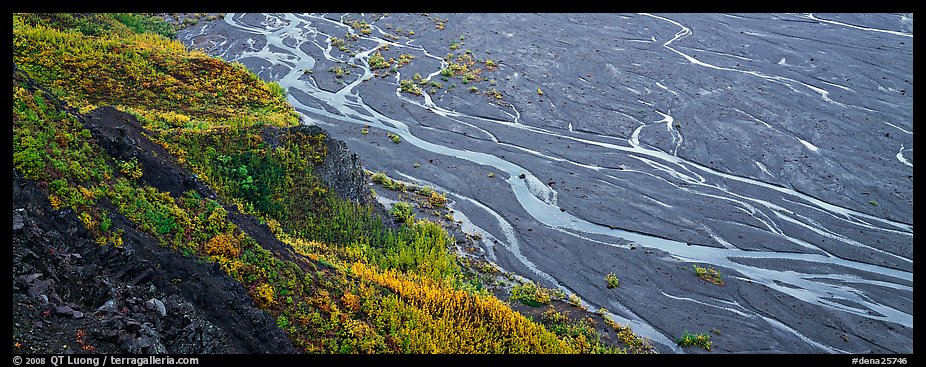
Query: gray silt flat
{"points": [[608, 74]]}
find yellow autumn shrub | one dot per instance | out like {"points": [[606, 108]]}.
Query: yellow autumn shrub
{"points": [[222, 245], [264, 295], [454, 321]]}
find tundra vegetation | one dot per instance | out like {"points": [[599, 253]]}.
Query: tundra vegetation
{"points": [[355, 284]]}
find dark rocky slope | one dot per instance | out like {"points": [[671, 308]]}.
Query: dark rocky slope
{"points": [[73, 295], [70, 294]]}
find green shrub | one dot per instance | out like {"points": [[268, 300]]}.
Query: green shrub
{"points": [[131, 168], [579, 330], [409, 86], [419, 248], [702, 340], [612, 280], [377, 61], [425, 191], [533, 295], [145, 24], [277, 89], [385, 181], [437, 200], [402, 212], [708, 274], [339, 72], [494, 93]]}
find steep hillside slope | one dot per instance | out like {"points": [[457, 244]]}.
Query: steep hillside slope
{"points": [[213, 221], [131, 296]]}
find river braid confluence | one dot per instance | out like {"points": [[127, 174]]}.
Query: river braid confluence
{"points": [[775, 148]]}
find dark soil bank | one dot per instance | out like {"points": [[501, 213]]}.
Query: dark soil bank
{"points": [[776, 149], [71, 294]]}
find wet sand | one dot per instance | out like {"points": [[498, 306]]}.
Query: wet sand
{"points": [[777, 149]]}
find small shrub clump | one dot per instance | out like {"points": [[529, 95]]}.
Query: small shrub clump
{"points": [[702, 340], [613, 282], [708, 274], [533, 295], [402, 212]]}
